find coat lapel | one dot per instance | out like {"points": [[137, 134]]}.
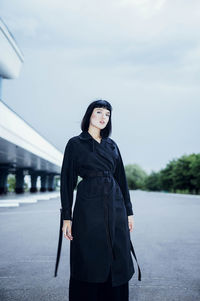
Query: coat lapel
{"points": [[106, 148]]}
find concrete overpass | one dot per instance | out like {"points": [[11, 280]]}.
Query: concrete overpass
{"points": [[22, 149]]}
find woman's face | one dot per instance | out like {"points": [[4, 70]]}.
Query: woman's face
{"points": [[100, 117]]}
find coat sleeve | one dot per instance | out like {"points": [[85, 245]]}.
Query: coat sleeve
{"points": [[120, 176], [68, 180]]}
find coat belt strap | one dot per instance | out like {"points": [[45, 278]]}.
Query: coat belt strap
{"points": [[96, 173], [139, 272], [59, 244]]}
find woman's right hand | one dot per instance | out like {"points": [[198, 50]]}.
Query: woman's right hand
{"points": [[67, 229]]}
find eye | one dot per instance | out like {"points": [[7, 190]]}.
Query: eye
{"points": [[106, 114]]}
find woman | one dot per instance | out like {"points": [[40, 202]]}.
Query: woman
{"points": [[100, 247]]}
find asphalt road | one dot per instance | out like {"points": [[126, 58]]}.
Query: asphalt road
{"points": [[166, 240]]}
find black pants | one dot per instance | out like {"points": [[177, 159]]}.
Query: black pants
{"points": [[81, 290]]}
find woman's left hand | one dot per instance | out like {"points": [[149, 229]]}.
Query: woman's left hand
{"points": [[130, 222]]}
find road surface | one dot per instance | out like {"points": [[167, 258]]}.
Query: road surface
{"points": [[166, 240]]}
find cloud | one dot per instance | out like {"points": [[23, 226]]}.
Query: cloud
{"points": [[146, 8], [26, 26], [142, 55], [98, 22], [143, 40]]}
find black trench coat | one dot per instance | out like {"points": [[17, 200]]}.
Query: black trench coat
{"points": [[101, 236]]}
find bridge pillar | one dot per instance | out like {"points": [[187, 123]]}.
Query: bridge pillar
{"points": [[34, 177], [19, 186], [3, 180], [43, 187], [51, 182]]}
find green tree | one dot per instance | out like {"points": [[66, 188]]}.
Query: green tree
{"points": [[195, 172], [136, 176], [152, 182], [181, 173], [11, 182], [166, 176]]}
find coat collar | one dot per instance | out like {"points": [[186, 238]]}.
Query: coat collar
{"points": [[85, 135]]}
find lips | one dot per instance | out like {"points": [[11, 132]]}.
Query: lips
{"points": [[102, 122]]}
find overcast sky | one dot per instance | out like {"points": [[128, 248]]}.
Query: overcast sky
{"points": [[143, 56]]}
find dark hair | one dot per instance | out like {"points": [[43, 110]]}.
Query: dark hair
{"points": [[86, 118]]}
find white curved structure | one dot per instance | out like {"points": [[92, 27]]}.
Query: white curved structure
{"points": [[22, 146], [22, 149], [11, 57]]}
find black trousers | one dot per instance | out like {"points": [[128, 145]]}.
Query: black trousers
{"points": [[81, 290]]}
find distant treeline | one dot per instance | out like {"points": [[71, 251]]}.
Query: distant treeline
{"points": [[180, 175]]}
